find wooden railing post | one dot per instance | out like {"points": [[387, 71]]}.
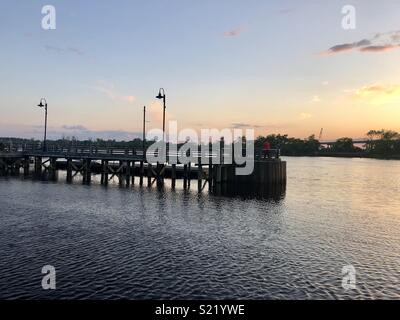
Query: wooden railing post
{"points": [[210, 166], [199, 169], [222, 149]]}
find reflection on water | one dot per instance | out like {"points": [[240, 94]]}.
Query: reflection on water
{"points": [[146, 243], [249, 191]]}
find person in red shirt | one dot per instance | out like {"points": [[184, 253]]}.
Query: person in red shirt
{"points": [[266, 149]]}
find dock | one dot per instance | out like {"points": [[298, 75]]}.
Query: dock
{"points": [[130, 167]]}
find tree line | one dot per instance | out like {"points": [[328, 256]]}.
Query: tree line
{"points": [[379, 143]]}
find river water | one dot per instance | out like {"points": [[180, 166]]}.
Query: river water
{"points": [[140, 243]]}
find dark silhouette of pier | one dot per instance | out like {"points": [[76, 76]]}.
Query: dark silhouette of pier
{"points": [[127, 164]]}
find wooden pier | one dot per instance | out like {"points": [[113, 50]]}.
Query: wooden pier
{"points": [[126, 164]]}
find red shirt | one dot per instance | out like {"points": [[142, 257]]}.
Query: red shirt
{"points": [[266, 146]]}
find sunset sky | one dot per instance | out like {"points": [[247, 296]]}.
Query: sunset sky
{"points": [[276, 66]]}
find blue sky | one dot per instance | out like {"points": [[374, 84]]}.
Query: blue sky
{"points": [[223, 63]]}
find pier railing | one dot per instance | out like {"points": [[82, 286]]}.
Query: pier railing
{"points": [[87, 150]]}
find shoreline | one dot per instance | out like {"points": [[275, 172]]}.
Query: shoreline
{"points": [[346, 155]]}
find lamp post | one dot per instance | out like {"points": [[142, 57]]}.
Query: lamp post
{"points": [[161, 95], [41, 105]]}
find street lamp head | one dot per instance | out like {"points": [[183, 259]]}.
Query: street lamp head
{"points": [[41, 105], [161, 95]]}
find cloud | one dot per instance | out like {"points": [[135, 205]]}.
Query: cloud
{"points": [[378, 89], [341, 48], [241, 125], [377, 93], [379, 48], [75, 50], [130, 99], [364, 42], [395, 36], [315, 99], [305, 116], [348, 46], [381, 42], [234, 32], [60, 50], [111, 93], [74, 127]]}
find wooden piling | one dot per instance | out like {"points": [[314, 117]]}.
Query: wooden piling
{"points": [[159, 177], [222, 150], [210, 167], [12, 167], [199, 172], [173, 175], [127, 173], [2, 166], [84, 174], [38, 166], [141, 173], [149, 166], [105, 172], [89, 170], [87, 174], [26, 165], [53, 169], [189, 174], [132, 170], [284, 172], [120, 172], [185, 176], [69, 170]]}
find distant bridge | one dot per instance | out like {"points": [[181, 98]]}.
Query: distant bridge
{"points": [[355, 141]]}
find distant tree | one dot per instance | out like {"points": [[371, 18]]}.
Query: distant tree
{"points": [[343, 145], [383, 142], [312, 145], [290, 146]]}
